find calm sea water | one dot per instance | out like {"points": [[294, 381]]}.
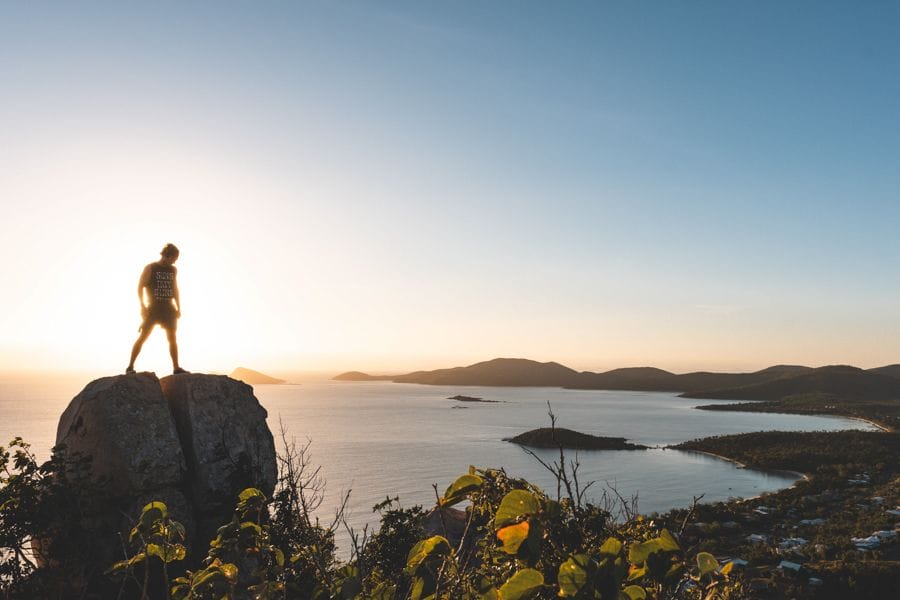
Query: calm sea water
{"points": [[378, 439]]}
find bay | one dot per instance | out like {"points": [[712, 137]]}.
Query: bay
{"points": [[383, 439]]}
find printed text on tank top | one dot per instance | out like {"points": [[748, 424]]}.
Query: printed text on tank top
{"points": [[162, 283]]}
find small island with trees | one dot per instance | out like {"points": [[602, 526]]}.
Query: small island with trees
{"points": [[558, 437]]}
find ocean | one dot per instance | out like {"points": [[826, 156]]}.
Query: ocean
{"points": [[383, 439]]}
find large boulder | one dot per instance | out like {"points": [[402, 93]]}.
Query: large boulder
{"points": [[226, 443], [192, 441], [123, 423], [224, 436], [123, 428]]}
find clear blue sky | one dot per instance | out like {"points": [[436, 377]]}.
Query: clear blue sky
{"points": [[409, 185]]}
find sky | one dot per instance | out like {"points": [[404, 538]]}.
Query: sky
{"points": [[391, 186]]}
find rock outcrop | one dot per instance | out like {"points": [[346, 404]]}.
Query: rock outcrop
{"points": [[193, 441], [124, 423], [226, 443]]}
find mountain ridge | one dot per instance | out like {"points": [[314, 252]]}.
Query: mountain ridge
{"points": [[521, 372]]}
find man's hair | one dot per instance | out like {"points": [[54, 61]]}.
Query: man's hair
{"points": [[170, 250]]}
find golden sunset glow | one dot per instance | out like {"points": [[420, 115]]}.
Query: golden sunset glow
{"points": [[368, 207]]}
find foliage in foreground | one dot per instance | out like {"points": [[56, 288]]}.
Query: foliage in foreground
{"points": [[511, 542]]}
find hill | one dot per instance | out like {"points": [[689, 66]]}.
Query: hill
{"points": [[890, 370], [360, 376], [842, 381], [656, 380], [706, 381], [497, 372], [632, 378], [772, 383], [253, 377]]}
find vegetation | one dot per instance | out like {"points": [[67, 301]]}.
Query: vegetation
{"points": [[553, 437], [806, 451], [510, 540], [853, 485], [840, 381], [516, 542], [885, 413]]}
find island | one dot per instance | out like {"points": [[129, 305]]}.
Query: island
{"points": [[253, 377], [360, 376], [548, 437], [471, 399]]}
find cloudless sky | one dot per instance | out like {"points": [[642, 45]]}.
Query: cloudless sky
{"points": [[390, 186]]}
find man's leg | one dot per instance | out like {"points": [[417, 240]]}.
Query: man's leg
{"points": [[173, 348], [136, 349]]}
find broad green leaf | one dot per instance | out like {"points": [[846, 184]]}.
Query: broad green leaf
{"points": [[180, 591], [573, 575], [611, 547], [208, 576], [251, 493], [423, 587], [125, 564], [432, 547], [707, 562], [460, 488], [524, 584], [668, 542], [167, 553], [514, 506], [230, 571], [635, 592], [156, 505], [512, 536], [151, 513], [638, 553]]}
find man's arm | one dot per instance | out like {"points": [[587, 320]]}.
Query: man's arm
{"points": [[144, 282]]}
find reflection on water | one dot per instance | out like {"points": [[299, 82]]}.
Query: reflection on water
{"points": [[382, 439]]}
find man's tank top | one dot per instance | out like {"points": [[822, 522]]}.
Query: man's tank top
{"points": [[162, 282]]}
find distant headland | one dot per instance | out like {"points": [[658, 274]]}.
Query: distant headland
{"points": [[881, 382], [872, 394], [253, 377]]}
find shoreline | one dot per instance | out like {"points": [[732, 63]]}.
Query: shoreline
{"points": [[798, 474], [875, 424]]}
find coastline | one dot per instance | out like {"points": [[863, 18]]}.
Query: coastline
{"points": [[798, 474], [876, 424]]}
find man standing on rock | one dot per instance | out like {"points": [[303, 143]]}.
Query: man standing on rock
{"points": [[162, 307]]}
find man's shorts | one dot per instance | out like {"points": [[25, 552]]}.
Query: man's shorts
{"points": [[162, 314]]}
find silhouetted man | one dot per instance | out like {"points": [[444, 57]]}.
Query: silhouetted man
{"points": [[162, 307]]}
